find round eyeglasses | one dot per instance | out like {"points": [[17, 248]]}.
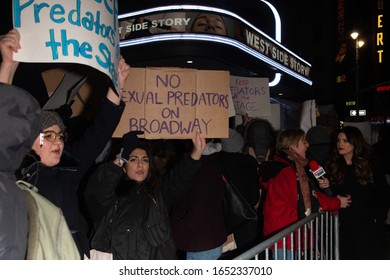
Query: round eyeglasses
{"points": [[52, 136]]}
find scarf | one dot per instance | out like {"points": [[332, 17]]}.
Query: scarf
{"points": [[300, 164]]}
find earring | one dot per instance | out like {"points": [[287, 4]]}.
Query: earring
{"points": [[41, 140]]}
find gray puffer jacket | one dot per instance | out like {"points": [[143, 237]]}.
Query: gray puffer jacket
{"points": [[19, 115]]}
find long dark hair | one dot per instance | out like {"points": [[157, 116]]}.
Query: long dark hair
{"points": [[151, 182], [360, 159]]}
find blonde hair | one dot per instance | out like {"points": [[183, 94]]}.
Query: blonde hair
{"points": [[288, 137]]}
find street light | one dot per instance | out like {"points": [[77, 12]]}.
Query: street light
{"points": [[358, 44]]}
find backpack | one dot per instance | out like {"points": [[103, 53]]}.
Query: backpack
{"points": [[49, 237]]}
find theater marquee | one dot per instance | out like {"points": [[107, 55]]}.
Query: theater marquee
{"points": [[187, 22]]}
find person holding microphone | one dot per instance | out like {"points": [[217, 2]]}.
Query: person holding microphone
{"points": [[292, 191]]}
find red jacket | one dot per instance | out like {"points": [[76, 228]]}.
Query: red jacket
{"points": [[282, 202]]}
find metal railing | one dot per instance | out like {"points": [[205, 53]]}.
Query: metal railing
{"points": [[320, 234]]}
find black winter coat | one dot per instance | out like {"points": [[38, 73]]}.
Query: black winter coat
{"points": [[59, 184], [241, 170], [198, 218], [359, 235], [136, 226]]}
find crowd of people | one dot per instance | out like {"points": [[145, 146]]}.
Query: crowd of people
{"points": [[164, 200]]}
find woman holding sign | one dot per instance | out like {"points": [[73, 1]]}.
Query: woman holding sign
{"points": [[9, 43], [130, 201], [45, 166]]}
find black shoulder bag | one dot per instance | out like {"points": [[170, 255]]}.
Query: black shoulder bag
{"points": [[237, 210]]}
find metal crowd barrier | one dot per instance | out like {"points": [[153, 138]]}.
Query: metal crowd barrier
{"points": [[320, 232]]}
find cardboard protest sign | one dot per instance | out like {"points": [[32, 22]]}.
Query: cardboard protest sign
{"points": [[79, 31], [65, 86], [67, 89], [172, 103], [250, 96]]}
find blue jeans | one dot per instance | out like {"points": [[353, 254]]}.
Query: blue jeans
{"points": [[212, 254], [279, 254]]}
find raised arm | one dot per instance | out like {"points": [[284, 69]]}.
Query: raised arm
{"points": [[199, 145], [9, 43], [97, 135], [124, 71]]}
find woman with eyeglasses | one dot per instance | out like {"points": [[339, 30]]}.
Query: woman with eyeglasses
{"points": [[44, 167], [130, 200]]}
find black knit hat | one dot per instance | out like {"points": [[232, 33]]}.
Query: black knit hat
{"points": [[50, 118], [130, 141], [260, 135]]}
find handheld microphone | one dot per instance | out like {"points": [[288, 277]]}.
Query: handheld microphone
{"points": [[316, 169], [318, 172]]}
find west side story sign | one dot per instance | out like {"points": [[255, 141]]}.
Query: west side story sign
{"points": [[194, 22]]}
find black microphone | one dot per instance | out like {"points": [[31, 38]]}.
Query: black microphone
{"points": [[318, 172]]}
